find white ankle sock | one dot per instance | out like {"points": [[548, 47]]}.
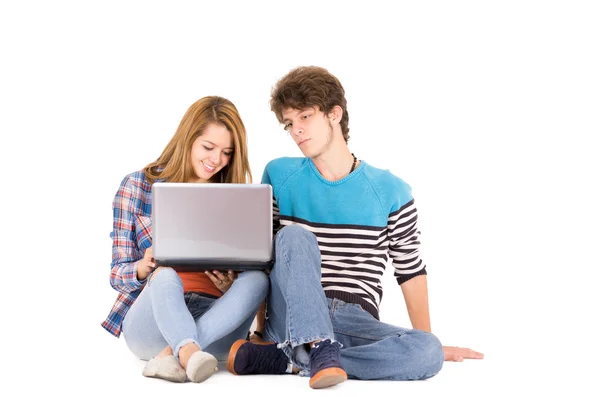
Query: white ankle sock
{"points": [[289, 369]]}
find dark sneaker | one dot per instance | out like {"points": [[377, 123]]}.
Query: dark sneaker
{"points": [[325, 367], [247, 358]]}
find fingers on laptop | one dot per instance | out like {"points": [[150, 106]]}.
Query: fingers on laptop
{"points": [[148, 254], [224, 277], [220, 280], [146, 265], [232, 275], [216, 281]]}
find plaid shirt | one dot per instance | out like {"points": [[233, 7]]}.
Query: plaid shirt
{"points": [[131, 235]]}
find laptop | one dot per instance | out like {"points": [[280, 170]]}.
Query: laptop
{"points": [[212, 226]]}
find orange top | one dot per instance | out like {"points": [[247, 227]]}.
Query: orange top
{"points": [[198, 282]]}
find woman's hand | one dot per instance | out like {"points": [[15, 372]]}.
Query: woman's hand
{"points": [[222, 281], [146, 265]]}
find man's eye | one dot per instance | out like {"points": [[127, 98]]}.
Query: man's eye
{"points": [[287, 126]]}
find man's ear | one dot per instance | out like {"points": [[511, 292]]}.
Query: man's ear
{"points": [[336, 114]]}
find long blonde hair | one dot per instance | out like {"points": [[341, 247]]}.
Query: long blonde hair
{"points": [[174, 164]]}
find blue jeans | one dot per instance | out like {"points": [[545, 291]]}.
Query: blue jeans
{"points": [[299, 313], [162, 315]]}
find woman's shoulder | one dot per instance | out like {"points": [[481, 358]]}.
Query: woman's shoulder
{"points": [[136, 184], [135, 178]]}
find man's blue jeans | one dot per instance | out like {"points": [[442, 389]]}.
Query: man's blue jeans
{"points": [[298, 312]]}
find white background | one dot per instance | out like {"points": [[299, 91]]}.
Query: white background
{"points": [[489, 110]]}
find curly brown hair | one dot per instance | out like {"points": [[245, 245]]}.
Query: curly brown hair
{"points": [[308, 86]]}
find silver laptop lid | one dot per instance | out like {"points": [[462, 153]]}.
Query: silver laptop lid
{"points": [[212, 225]]}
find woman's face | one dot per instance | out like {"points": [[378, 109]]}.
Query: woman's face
{"points": [[211, 151]]}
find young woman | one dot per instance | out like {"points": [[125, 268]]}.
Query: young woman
{"points": [[181, 321]]}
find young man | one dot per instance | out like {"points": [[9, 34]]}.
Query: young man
{"points": [[339, 220]]}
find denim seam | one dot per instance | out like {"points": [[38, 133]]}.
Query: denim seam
{"points": [[364, 336], [295, 341], [288, 327], [332, 309]]}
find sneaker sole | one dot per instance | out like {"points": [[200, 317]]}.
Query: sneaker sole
{"points": [[232, 352], [328, 377], [167, 376], [204, 372], [161, 369]]}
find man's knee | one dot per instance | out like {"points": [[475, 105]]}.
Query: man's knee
{"points": [[296, 239], [429, 356], [294, 244], [295, 233]]}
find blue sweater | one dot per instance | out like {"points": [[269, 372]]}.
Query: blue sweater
{"points": [[361, 222]]}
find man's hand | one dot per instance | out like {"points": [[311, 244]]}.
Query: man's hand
{"points": [[146, 265], [453, 353], [221, 281]]}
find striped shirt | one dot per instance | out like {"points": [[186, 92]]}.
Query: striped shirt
{"points": [[362, 222]]}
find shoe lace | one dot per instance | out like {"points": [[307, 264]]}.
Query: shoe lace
{"points": [[325, 351]]}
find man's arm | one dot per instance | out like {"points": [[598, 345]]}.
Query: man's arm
{"points": [[411, 274], [410, 270], [417, 302]]}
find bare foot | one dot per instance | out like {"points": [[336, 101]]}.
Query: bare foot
{"points": [[167, 351], [185, 352]]}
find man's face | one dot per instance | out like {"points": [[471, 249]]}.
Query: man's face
{"points": [[310, 128]]}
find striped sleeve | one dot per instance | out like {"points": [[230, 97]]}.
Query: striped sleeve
{"points": [[404, 243], [125, 254], [276, 218]]}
